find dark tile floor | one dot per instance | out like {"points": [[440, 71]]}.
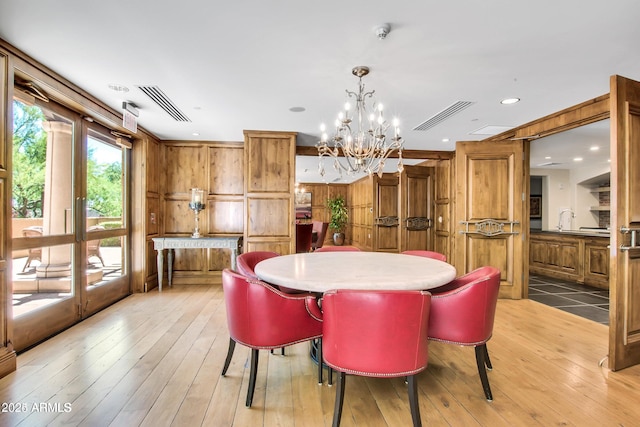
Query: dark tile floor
{"points": [[585, 301]]}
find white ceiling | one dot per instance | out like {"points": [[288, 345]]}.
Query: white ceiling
{"points": [[230, 66]]}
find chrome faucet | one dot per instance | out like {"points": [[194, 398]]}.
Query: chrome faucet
{"points": [[573, 215]]}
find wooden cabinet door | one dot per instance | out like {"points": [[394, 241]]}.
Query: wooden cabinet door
{"points": [[386, 213], [416, 217], [490, 206], [624, 278]]}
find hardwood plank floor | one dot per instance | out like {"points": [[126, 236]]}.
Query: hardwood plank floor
{"points": [[155, 360]]}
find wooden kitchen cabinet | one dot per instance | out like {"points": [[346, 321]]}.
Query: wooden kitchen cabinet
{"points": [[570, 256]]}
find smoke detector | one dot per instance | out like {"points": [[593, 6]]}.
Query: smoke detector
{"points": [[382, 31]]}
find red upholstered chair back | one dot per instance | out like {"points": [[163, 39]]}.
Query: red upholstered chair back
{"points": [[304, 235], [245, 263], [376, 333], [427, 254], [320, 230], [261, 317], [338, 249], [464, 312]]}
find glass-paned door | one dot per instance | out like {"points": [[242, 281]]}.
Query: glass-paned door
{"points": [[69, 233], [105, 235], [45, 297]]}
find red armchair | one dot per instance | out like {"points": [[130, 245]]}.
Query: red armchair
{"points": [[338, 249], [377, 334], [261, 317], [246, 264], [427, 254], [462, 313], [247, 261]]}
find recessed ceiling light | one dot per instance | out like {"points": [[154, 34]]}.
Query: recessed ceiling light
{"points": [[508, 101], [118, 88], [547, 157], [445, 139], [196, 134], [594, 148], [577, 159], [297, 109]]}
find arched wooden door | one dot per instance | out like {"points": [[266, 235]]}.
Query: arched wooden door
{"points": [[489, 214]]}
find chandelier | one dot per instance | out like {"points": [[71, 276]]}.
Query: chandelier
{"points": [[359, 143]]}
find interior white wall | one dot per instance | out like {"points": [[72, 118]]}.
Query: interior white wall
{"points": [[556, 194], [565, 189], [582, 182]]}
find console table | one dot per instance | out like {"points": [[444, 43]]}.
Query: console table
{"points": [[171, 243]]}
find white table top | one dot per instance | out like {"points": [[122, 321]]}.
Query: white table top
{"points": [[322, 271]]}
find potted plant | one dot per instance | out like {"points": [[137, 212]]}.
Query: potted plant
{"points": [[339, 217]]}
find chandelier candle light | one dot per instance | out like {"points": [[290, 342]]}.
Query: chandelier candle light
{"points": [[196, 205], [363, 148]]}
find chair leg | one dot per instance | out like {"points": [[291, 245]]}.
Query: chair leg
{"points": [[319, 357], [337, 409], [483, 371], [227, 361], [413, 400], [487, 361], [330, 374], [252, 376]]}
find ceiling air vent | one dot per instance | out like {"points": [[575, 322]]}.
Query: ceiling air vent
{"points": [[164, 102], [443, 115]]}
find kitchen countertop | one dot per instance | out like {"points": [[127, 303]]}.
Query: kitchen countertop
{"points": [[587, 233]]}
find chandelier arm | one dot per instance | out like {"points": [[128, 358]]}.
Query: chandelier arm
{"points": [[365, 147]]}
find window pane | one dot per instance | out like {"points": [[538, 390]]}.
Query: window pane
{"points": [[104, 183], [33, 289], [42, 191]]}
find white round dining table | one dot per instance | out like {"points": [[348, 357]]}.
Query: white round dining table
{"points": [[323, 271]]}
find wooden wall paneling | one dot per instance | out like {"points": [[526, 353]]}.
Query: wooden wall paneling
{"points": [[185, 169], [225, 215], [153, 167], [443, 199], [226, 169], [179, 220], [361, 209], [269, 169], [152, 218], [278, 246], [269, 162], [268, 217]]}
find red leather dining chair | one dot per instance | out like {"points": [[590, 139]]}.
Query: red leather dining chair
{"points": [[320, 230], [304, 236], [462, 313], [427, 254], [338, 249], [376, 334], [261, 317], [246, 262]]}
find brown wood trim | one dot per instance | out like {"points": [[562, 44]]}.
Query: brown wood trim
{"points": [[590, 111], [8, 361], [406, 154]]}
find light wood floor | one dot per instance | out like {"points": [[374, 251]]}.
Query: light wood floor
{"points": [[155, 359]]}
